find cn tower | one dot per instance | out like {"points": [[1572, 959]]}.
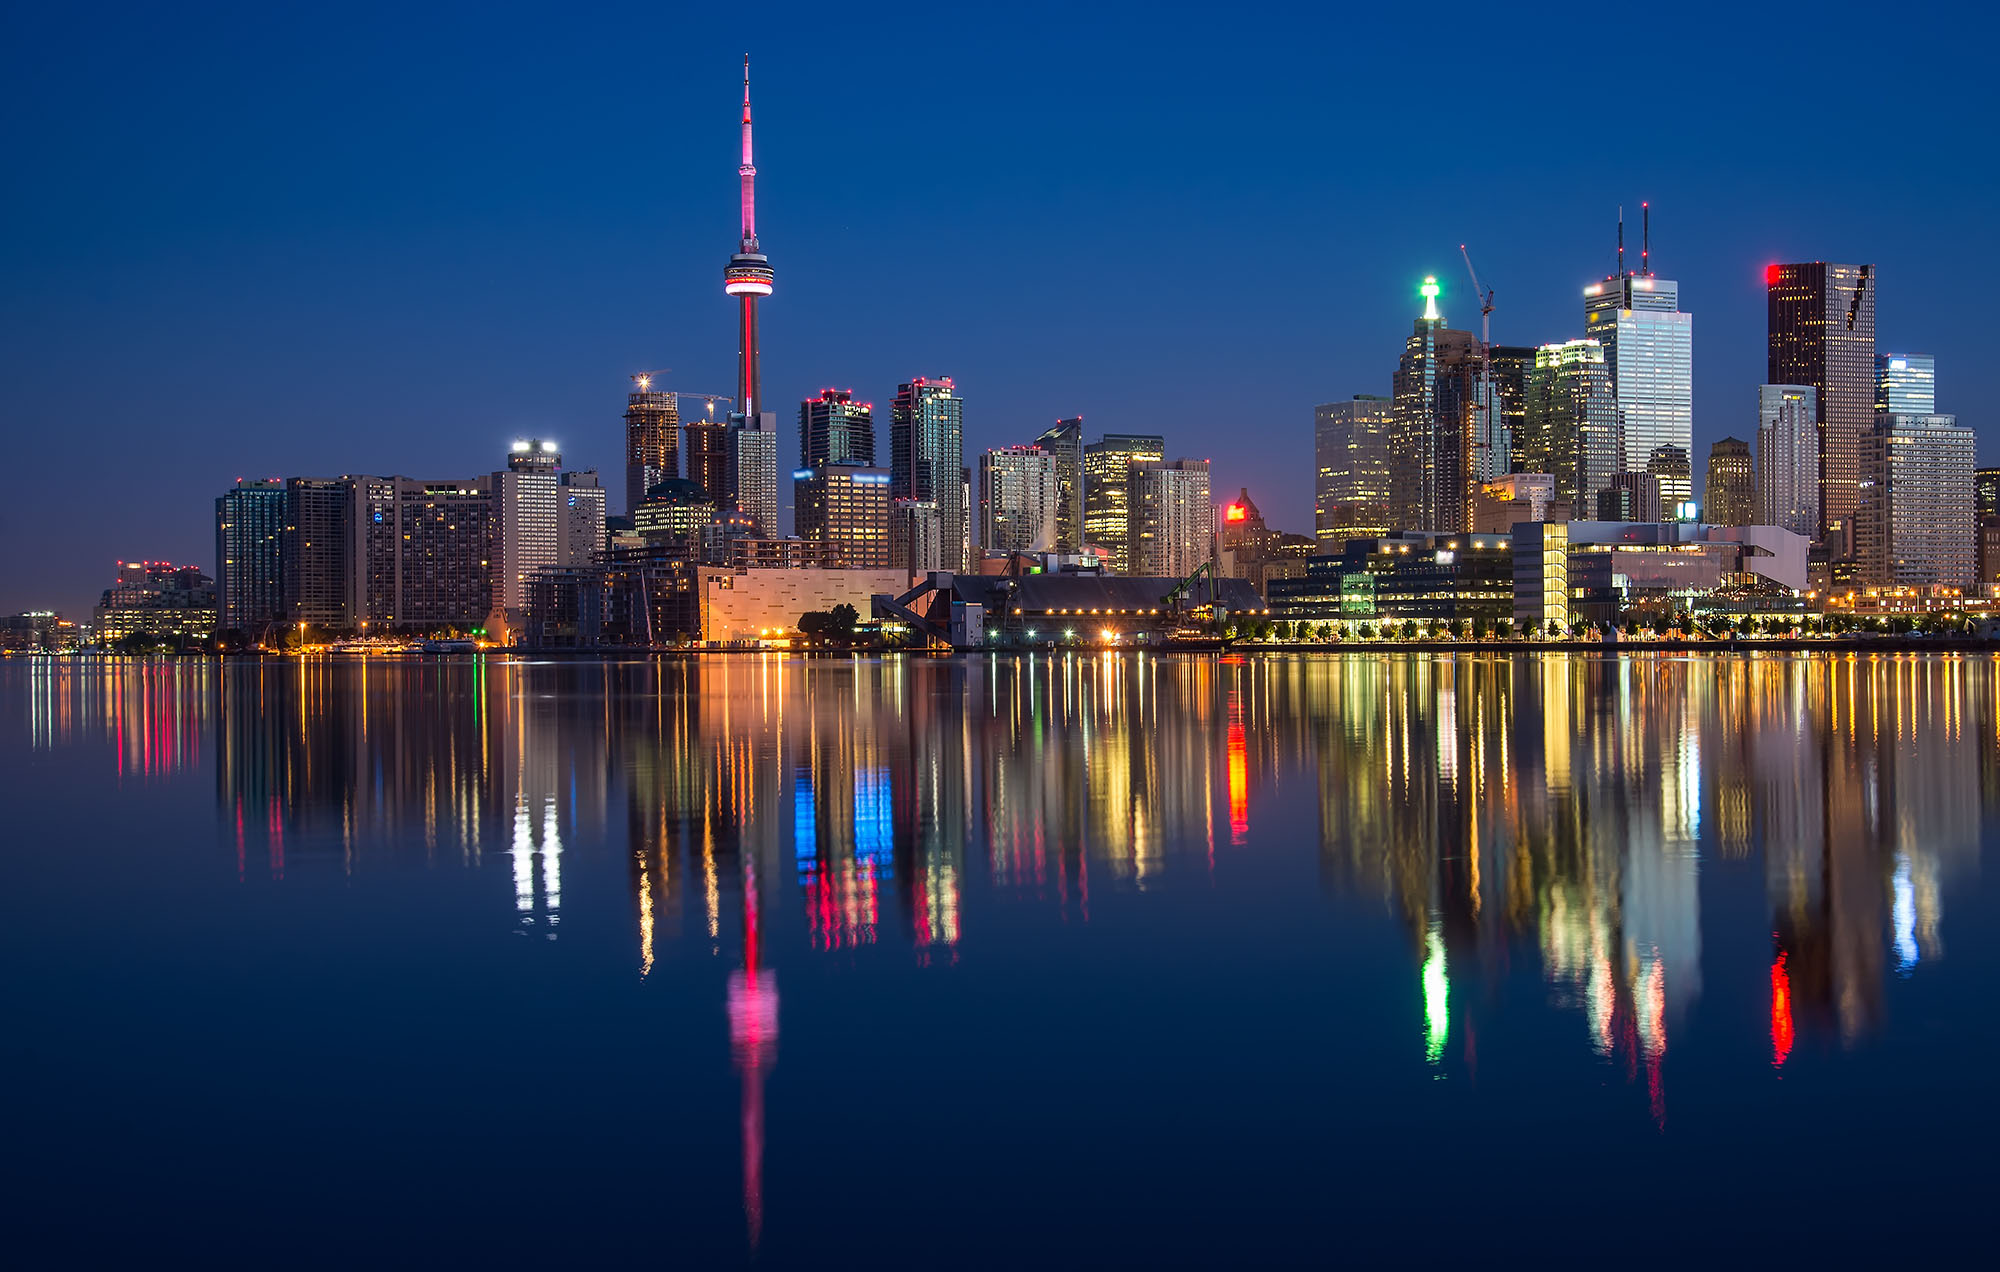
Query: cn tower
{"points": [[748, 275]]}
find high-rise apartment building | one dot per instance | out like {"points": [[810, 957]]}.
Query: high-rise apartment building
{"points": [[753, 470], [1822, 336], [582, 513], [317, 551], [1107, 484], [1649, 358], [1916, 521], [445, 570], [836, 429], [707, 459], [528, 520], [1788, 465], [916, 534], [1065, 442], [1671, 467], [249, 557], [1020, 499], [374, 551], [927, 458], [1730, 496], [1571, 429], [847, 508], [1351, 469], [1432, 459], [1172, 527], [1905, 384], [652, 440]]}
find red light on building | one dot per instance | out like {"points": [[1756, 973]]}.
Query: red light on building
{"points": [[1771, 273], [1234, 512]]}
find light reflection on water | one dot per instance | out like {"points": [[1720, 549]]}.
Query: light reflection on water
{"points": [[1569, 815]]}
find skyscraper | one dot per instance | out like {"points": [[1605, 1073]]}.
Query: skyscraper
{"points": [[1788, 464], [747, 277], [582, 500], [1019, 499], [1351, 463], [1172, 519], [1822, 336], [916, 534], [1730, 497], [1432, 461], [1986, 486], [1107, 476], [1572, 423], [927, 456], [318, 541], [528, 523], [1065, 442], [652, 440], [1648, 356], [708, 459], [836, 429], [1630, 497], [753, 470], [847, 506], [1916, 520], [1905, 384], [249, 558]]}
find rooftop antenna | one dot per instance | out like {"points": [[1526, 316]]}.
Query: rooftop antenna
{"points": [[1621, 240], [1646, 239]]}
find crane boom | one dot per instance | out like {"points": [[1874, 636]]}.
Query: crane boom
{"points": [[1483, 437]]}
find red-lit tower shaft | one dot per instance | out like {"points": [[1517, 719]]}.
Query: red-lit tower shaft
{"points": [[748, 275]]}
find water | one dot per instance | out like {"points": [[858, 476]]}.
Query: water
{"points": [[1116, 961]]}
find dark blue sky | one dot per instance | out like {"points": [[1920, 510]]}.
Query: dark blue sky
{"points": [[259, 241]]}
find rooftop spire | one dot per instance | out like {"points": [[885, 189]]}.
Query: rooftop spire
{"points": [[1429, 291], [749, 170]]}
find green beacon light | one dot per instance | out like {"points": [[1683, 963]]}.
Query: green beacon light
{"points": [[1430, 294]]}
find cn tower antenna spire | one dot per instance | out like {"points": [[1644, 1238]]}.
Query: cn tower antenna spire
{"points": [[749, 169], [747, 278]]}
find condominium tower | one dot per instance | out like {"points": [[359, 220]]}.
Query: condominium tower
{"points": [[1107, 474], [1351, 469]]}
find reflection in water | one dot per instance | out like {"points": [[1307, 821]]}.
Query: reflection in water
{"points": [[1562, 807]]}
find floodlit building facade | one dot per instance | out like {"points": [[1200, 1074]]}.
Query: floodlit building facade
{"points": [[1730, 495], [1107, 479]]}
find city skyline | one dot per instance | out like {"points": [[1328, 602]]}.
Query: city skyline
{"points": [[420, 381]]}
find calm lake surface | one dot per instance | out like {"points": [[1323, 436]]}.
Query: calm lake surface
{"points": [[1113, 960]]}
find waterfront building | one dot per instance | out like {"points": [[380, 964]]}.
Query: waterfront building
{"points": [[1351, 468], [1404, 575], [1172, 529], [652, 440], [1905, 384], [249, 562], [1541, 577], [375, 550], [1571, 431], [1020, 500], [1822, 335], [1107, 477], [445, 574], [582, 513], [527, 523], [748, 606], [847, 508], [1788, 462], [318, 544], [156, 599], [1730, 495], [1916, 523], [927, 457]]}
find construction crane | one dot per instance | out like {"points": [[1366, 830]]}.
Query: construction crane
{"points": [[1482, 438], [1172, 600], [644, 379]]}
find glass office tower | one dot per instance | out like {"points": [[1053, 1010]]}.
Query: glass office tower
{"points": [[1649, 357], [1905, 383], [1822, 336]]}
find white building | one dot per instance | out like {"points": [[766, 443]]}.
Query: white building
{"points": [[1172, 520], [527, 530], [1788, 457]]}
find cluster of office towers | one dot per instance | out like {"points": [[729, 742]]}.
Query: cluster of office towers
{"points": [[1118, 500], [356, 553], [1850, 450]]}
